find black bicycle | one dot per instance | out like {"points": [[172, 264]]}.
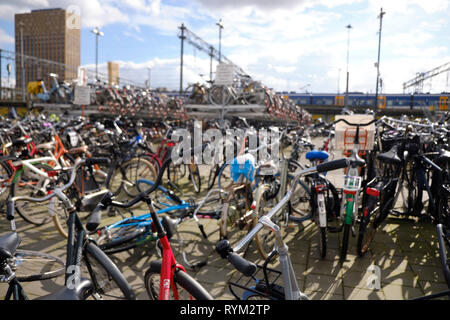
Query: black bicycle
{"points": [[105, 280]]}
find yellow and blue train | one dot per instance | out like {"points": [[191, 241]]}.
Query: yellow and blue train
{"points": [[420, 100]]}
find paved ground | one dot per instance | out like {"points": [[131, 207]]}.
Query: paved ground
{"points": [[405, 251]]}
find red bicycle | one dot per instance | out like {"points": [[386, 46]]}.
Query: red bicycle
{"points": [[165, 279]]}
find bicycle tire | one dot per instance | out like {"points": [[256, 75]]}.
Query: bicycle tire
{"points": [[444, 250], [322, 241], [36, 266], [5, 190], [344, 247], [366, 233], [234, 221], [130, 177], [224, 180], [218, 95], [189, 285], [113, 284], [264, 239], [194, 175], [115, 184]]}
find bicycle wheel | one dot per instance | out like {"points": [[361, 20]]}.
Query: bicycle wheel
{"points": [[188, 288], [235, 220], [116, 182], [59, 216], [219, 95], [300, 204], [224, 180], [34, 266], [265, 239], [135, 169], [5, 175], [322, 241], [108, 281], [194, 175], [31, 184], [175, 173]]}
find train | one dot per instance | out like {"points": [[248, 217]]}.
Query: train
{"points": [[438, 102]]}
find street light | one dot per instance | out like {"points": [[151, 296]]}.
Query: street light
{"points": [[378, 62], [220, 38], [21, 24], [97, 33], [348, 47]]}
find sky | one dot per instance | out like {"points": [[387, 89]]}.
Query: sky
{"points": [[288, 45]]}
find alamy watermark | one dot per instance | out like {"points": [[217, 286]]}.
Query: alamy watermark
{"points": [[74, 17], [374, 280], [215, 146]]}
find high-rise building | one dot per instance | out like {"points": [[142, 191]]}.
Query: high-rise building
{"points": [[52, 36]]}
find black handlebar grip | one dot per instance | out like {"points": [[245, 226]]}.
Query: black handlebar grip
{"points": [[333, 165], [95, 218], [10, 210], [244, 266], [92, 161]]}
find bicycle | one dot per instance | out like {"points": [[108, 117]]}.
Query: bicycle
{"points": [[351, 188], [265, 289], [165, 276], [134, 231]]}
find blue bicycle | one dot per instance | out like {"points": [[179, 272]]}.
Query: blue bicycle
{"points": [[137, 230]]}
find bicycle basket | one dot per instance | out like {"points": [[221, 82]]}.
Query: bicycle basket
{"points": [[243, 165], [243, 288]]}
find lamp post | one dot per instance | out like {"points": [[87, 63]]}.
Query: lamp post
{"points": [[97, 33], [21, 24], [220, 38], [348, 50], [378, 61]]}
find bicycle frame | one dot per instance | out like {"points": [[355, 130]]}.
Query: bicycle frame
{"points": [[292, 291]]}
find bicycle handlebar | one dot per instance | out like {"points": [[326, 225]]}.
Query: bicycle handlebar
{"points": [[331, 165], [355, 124]]}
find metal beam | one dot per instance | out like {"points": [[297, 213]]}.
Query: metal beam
{"points": [[204, 46], [422, 76]]}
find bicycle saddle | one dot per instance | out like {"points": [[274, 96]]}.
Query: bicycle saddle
{"points": [[170, 226], [78, 150], [46, 146], [444, 156], [390, 156], [316, 155], [77, 293], [8, 245]]}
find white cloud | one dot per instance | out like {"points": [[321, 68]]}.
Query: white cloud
{"points": [[5, 37]]}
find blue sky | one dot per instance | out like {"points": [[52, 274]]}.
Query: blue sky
{"points": [[288, 45]]}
